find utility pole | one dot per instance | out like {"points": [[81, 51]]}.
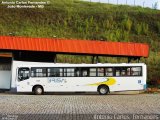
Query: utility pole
{"points": [[152, 6], [156, 5], [143, 3]]}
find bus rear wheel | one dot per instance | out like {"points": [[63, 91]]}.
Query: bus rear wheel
{"points": [[103, 89], [38, 90]]}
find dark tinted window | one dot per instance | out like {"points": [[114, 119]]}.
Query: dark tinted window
{"points": [[109, 71], [77, 72], [100, 72], [55, 72], [92, 72], [69, 72], [136, 71], [84, 72], [38, 72]]}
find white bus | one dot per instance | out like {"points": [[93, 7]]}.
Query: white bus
{"points": [[38, 77]]}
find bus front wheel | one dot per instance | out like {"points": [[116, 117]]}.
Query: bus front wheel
{"points": [[103, 89], [38, 90]]}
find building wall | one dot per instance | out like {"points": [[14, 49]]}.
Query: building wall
{"points": [[5, 76]]}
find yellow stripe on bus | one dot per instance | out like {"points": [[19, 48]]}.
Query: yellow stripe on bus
{"points": [[109, 81]]}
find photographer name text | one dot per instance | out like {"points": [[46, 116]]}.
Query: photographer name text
{"points": [[25, 4]]}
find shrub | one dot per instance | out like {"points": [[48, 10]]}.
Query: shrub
{"points": [[144, 28], [127, 24], [158, 27], [138, 29]]}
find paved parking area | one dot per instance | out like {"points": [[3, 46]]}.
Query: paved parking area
{"points": [[79, 104]]}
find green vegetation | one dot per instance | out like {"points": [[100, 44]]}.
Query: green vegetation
{"points": [[75, 19]]}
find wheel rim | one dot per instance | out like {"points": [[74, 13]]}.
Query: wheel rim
{"points": [[39, 91], [103, 90]]}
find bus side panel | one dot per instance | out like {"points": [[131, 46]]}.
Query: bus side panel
{"points": [[72, 84], [144, 73], [63, 84]]}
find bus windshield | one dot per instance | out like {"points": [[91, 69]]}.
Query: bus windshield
{"points": [[23, 74]]}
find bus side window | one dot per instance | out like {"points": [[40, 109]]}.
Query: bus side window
{"points": [[69, 72], [101, 72], [55, 72], [23, 74], [124, 71], [136, 71], [84, 72], [77, 72], [117, 71], [38, 72], [92, 72], [109, 71], [128, 71]]}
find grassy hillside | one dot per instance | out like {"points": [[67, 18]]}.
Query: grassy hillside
{"points": [[85, 20]]}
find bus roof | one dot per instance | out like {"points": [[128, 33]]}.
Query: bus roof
{"points": [[42, 64]]}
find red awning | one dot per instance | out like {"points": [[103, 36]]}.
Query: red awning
{"points": [[74, 46]]}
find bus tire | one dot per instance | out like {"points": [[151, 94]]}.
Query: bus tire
{"points": [[38, 90], [103, 89]]}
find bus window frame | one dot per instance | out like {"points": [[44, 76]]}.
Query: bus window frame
{"points": [[93, 72], [35, 76], [80, 69], [141, 72], [55, 72], [65, 71]]}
